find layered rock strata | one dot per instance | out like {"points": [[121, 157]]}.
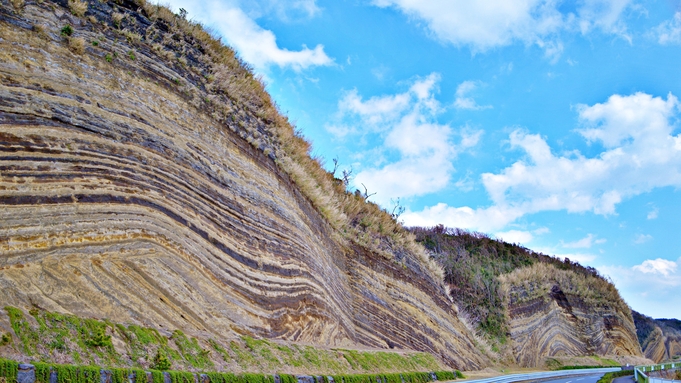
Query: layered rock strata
{"points": [[122, 197], [558, 313], [660, 339]]}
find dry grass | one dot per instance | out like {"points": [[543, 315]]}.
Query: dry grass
{"points": [[117, 18], [78, 7], [538, 279], [18, 5], [132, 37], [77, 45], [41, 30]]}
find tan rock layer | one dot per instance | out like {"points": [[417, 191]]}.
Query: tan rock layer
{"points": [[121, 199], [546, 321], [660, 339]]}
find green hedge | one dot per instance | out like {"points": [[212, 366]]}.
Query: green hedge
{"points": [[91, 374], [607, 378], [8, 370]]}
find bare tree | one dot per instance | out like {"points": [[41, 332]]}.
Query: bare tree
{"points": [[398, 209], [366, 192]]}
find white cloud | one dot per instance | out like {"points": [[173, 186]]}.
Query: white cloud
{"points": [[642, 238], [584, 243], [653, 213], [657, 266], [515, 236], [463, 101], [254, 44], [651, 287], [669, 32], [640, 153], [418, 151], [486, 24]]}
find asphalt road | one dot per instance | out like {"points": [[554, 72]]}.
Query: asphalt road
{"points": [[572, 379]]}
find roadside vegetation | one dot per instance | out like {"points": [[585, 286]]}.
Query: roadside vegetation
{"points": [[92, 374], [66, 339], [610, 376]]}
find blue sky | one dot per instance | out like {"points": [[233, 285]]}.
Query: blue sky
{"points": [[554, 124]]}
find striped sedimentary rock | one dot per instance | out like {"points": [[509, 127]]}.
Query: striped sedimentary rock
{"points": [[546, 322], [122, 197], [660, 339]]}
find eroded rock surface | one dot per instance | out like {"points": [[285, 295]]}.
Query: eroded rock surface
{"points": [[558, 313], [122, 196], [660, 339]]}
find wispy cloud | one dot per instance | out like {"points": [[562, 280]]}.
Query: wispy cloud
{"points": [[464, 100], [653, 213], [669, 32], [642, 238], [584, 243]]}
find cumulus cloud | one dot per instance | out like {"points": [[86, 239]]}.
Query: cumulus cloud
{"points": [[486, 24], [657, 266], [254, 44], [640, 153], [415, 151], [669, 32], [464, 101]]}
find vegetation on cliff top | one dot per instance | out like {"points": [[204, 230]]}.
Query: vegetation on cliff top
{"points": [[61, 338], [473, 263]]}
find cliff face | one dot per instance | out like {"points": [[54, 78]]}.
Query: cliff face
{"points": [[124, 195], [559, 313], [660, 339]]}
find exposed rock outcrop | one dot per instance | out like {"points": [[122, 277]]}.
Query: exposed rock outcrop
{"points": [[560, 313], [124, 195], [660, 339]]}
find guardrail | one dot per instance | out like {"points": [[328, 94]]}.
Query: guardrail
{"points": [[542, 375], [641, 376]]}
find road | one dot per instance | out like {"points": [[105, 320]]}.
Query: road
{"points": [[572, 376], [571, 379]]}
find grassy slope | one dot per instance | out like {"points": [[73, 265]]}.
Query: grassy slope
{"points": [[59, 338]]}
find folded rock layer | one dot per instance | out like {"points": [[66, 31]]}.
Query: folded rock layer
{"points": [[123, 198], [559, 313], [660, 339]]}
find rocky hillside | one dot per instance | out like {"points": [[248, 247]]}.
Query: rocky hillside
{"points": [[660, 339], [147, 178], [532, 308]]}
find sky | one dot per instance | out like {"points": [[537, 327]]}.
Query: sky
{"points": [[552, 124]]}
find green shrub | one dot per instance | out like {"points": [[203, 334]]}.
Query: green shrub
{"points": [[67, 30], [22, 329], [8, 370], [607, 378], [161, 361], [459, 375], [445, 375]]}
